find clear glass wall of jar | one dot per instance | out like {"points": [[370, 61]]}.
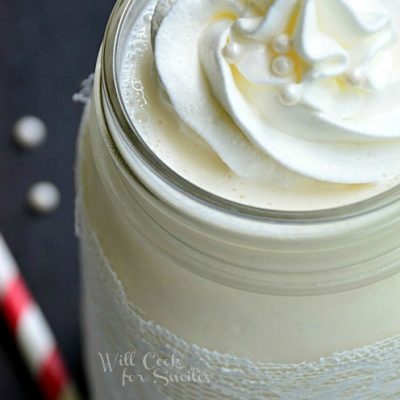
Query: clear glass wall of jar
{"points": [[280, 287]]}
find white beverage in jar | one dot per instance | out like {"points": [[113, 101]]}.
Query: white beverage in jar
{"points": [[247, 202]]}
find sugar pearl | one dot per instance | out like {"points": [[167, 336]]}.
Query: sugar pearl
{"points": [[44, 197], [30, 132], [232, 52], [290, 94], [355, 77], [281, 43], [147, 18], [282, 66]]}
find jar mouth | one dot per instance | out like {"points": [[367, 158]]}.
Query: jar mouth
{"points": [[113, 97]]}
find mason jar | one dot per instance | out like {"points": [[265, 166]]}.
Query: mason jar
{"points": [[191, 296]]}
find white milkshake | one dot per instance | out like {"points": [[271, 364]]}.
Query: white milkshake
{"points": [[267, 303]]}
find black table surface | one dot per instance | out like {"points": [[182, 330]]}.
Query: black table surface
{"points": [[47, 47]]}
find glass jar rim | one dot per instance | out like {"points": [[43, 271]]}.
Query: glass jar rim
{"points": [[114, 100]]}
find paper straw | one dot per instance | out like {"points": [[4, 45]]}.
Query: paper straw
{"points": [[32, 332]]}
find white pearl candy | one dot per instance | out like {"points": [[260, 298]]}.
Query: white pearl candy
{"points": [[355, 77], [281, 43], [282, 66], [232, 52], [44, 197], [290, 94], [30, 132], [147, 18]]}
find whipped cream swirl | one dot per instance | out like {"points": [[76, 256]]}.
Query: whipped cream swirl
{"points": [[313, 85]]}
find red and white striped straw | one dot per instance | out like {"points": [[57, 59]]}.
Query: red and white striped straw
{"points": [[32, 332]]}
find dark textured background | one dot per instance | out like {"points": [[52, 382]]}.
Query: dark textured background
{"points": [[46, 48]]}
